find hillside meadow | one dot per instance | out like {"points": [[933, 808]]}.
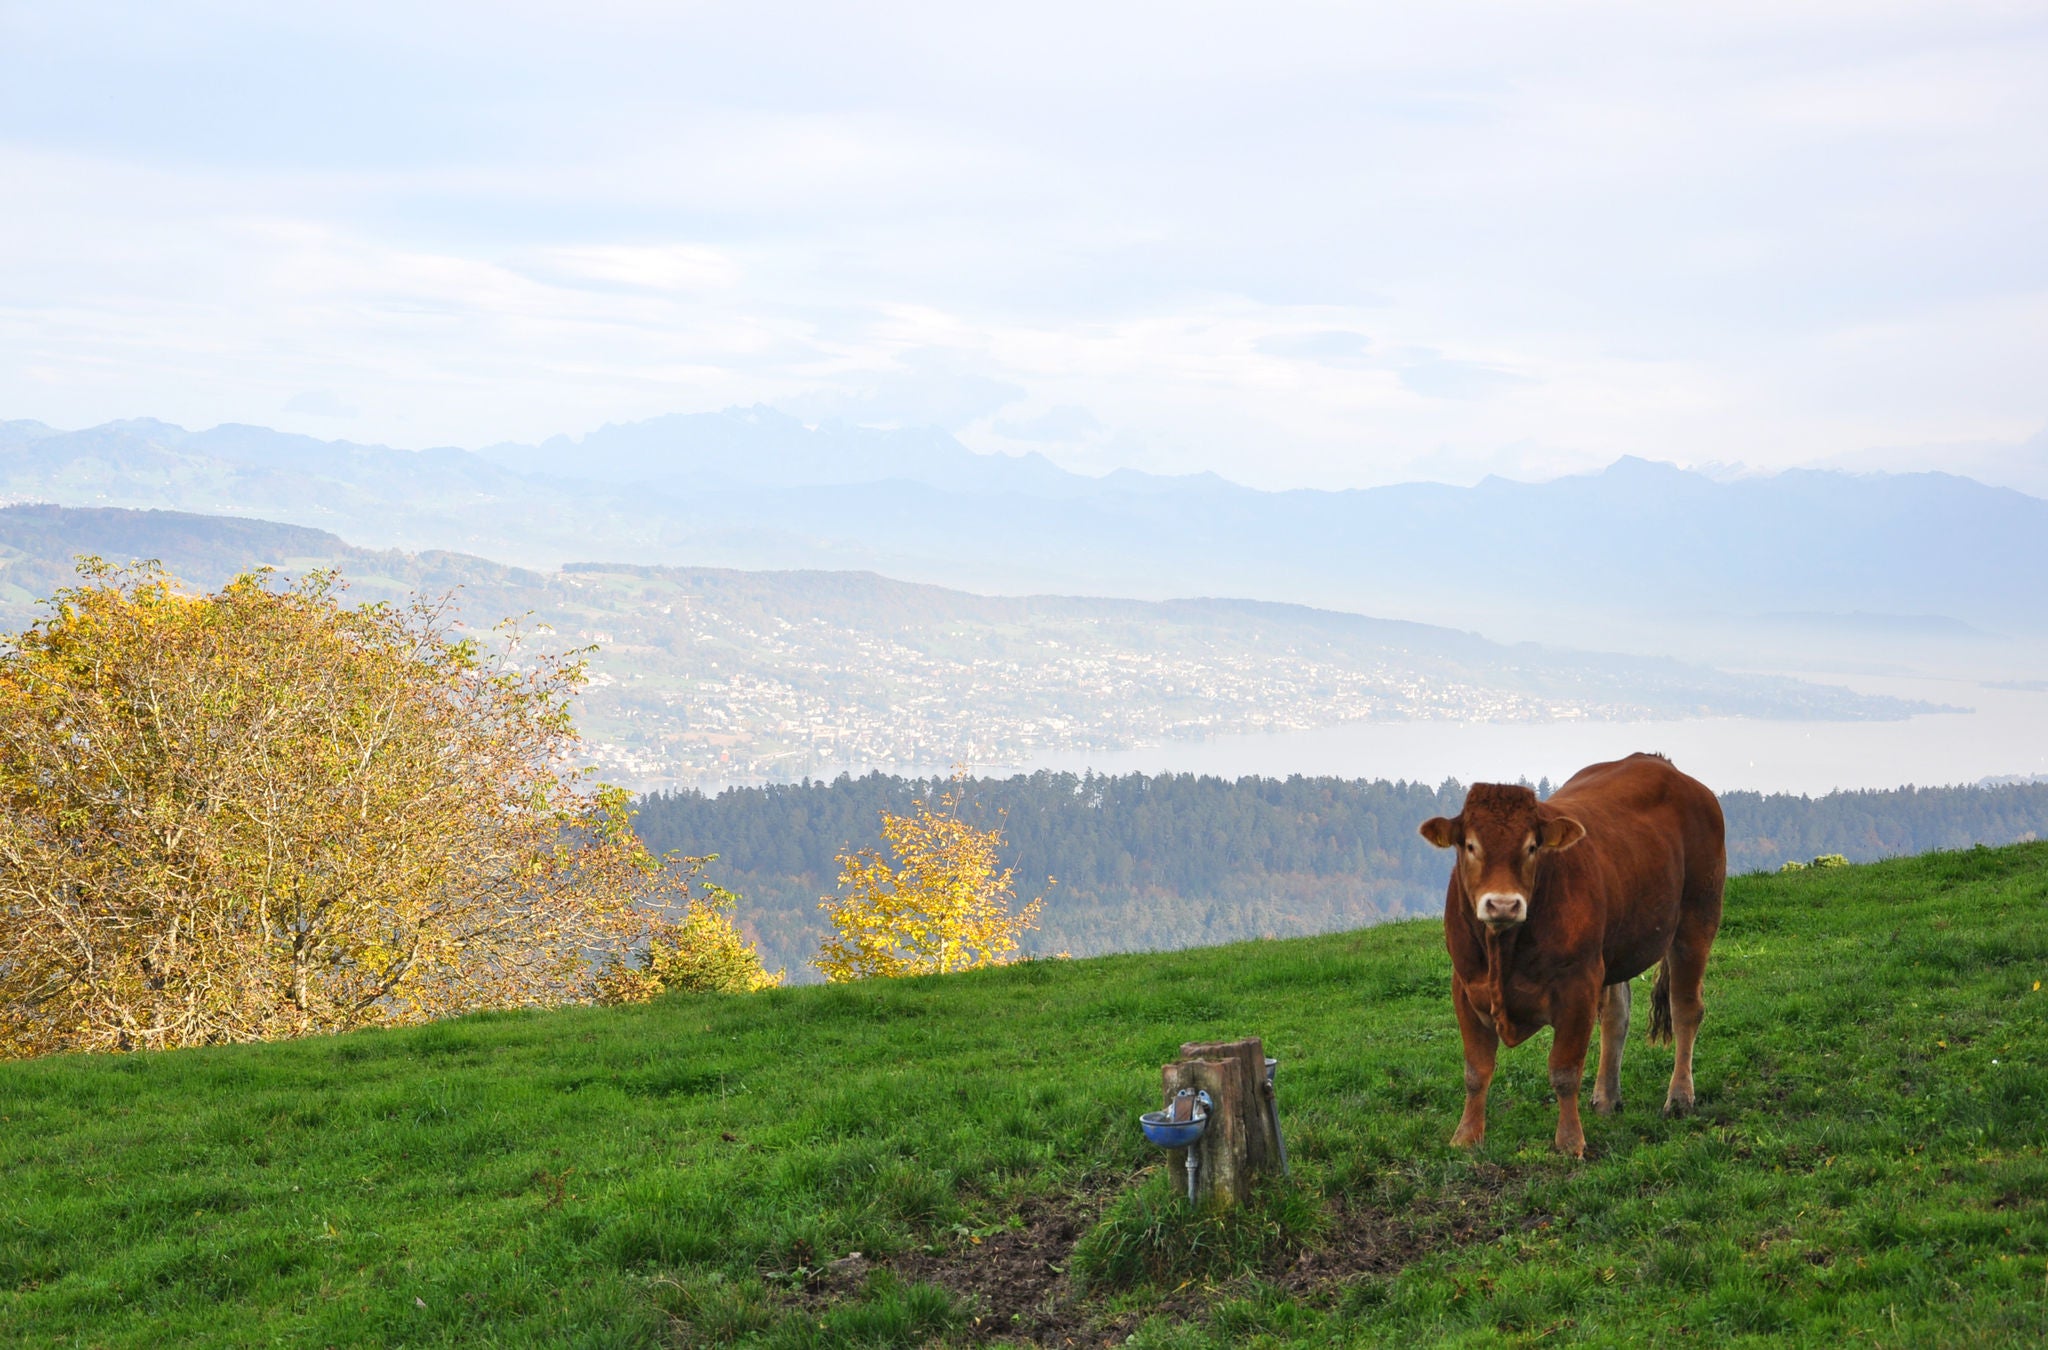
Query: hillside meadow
{"points": [[1866, 1166]]}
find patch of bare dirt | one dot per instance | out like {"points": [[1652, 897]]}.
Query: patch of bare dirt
{"points": [[1365, 1240], [1016, 1280]]}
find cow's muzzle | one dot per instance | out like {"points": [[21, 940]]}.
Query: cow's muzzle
{"points": [[1502, 909]]}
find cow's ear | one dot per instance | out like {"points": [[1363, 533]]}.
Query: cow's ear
{"points": [[1561, 832], [1441, 832]]}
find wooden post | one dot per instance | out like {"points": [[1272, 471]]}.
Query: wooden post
{"points": [[1239, 1143]]}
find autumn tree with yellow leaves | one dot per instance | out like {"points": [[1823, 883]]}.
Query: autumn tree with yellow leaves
{"points": [[700, 951], [263, 812], [943, 904]]}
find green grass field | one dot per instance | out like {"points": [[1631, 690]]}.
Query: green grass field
{"points": [[1866, 1166]]}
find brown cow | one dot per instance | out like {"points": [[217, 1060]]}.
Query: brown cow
{"points": [[1555, 905]]}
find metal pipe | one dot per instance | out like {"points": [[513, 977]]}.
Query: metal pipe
{"points": [[1273, 1112]]}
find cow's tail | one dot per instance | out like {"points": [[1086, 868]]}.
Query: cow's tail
{"points": [[1660, 1005]]}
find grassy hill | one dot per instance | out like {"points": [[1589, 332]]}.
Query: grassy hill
{"points": [[1867, 1162]]}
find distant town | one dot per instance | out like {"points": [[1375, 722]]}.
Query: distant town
{"points": [[747, 726], [688, 693]]}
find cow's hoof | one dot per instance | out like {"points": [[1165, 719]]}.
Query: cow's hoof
{"points": [[1674, 1107], [1571, 1148], [1606, 1108], [1468, 1138]]}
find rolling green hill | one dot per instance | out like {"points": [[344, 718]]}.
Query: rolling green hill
{"points": [[1866, 1164]]}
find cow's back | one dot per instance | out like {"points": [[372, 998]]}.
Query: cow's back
{"points": [[1655, 845]]}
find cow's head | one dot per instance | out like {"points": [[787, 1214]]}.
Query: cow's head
{"points": [[1500, 837]]}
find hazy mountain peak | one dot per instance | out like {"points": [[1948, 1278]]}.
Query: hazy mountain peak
{"points": [[149, 428], [1642, 469], [2020, 465], [26, 429]]}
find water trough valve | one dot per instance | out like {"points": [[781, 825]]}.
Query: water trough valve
{"points": [[1180, 1125]]}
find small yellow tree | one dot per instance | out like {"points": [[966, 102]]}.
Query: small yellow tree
{"points": [[942, 905], [701, 952], [262, 813]]}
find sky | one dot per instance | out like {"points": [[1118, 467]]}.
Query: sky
{"points": [[1296, 245]]}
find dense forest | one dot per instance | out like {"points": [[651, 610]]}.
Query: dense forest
{"points": [[1765, 831], [1141, 862]]}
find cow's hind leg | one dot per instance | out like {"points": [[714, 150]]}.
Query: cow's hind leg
{"points": [[1679, 982], [1676, 999], [1614, 1007]]}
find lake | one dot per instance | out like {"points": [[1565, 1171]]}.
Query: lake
{"points": [[2004, 732]]}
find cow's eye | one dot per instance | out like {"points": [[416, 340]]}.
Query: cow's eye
{"points": [[1471, 847]]}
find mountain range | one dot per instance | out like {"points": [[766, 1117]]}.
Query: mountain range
{"points": [[1642, 556]]}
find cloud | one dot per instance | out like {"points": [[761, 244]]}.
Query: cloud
{"points": [[924, 387], [1064, 423], [321, 403], [659, 267], [1329, 346], [1435, 375], [1423, 370]]}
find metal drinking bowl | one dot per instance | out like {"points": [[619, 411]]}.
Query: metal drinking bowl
{"points": [[1162, 1129]]}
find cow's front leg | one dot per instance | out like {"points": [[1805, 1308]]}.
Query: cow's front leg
{"points": [[1571, 1032], [1482, 1042]]}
